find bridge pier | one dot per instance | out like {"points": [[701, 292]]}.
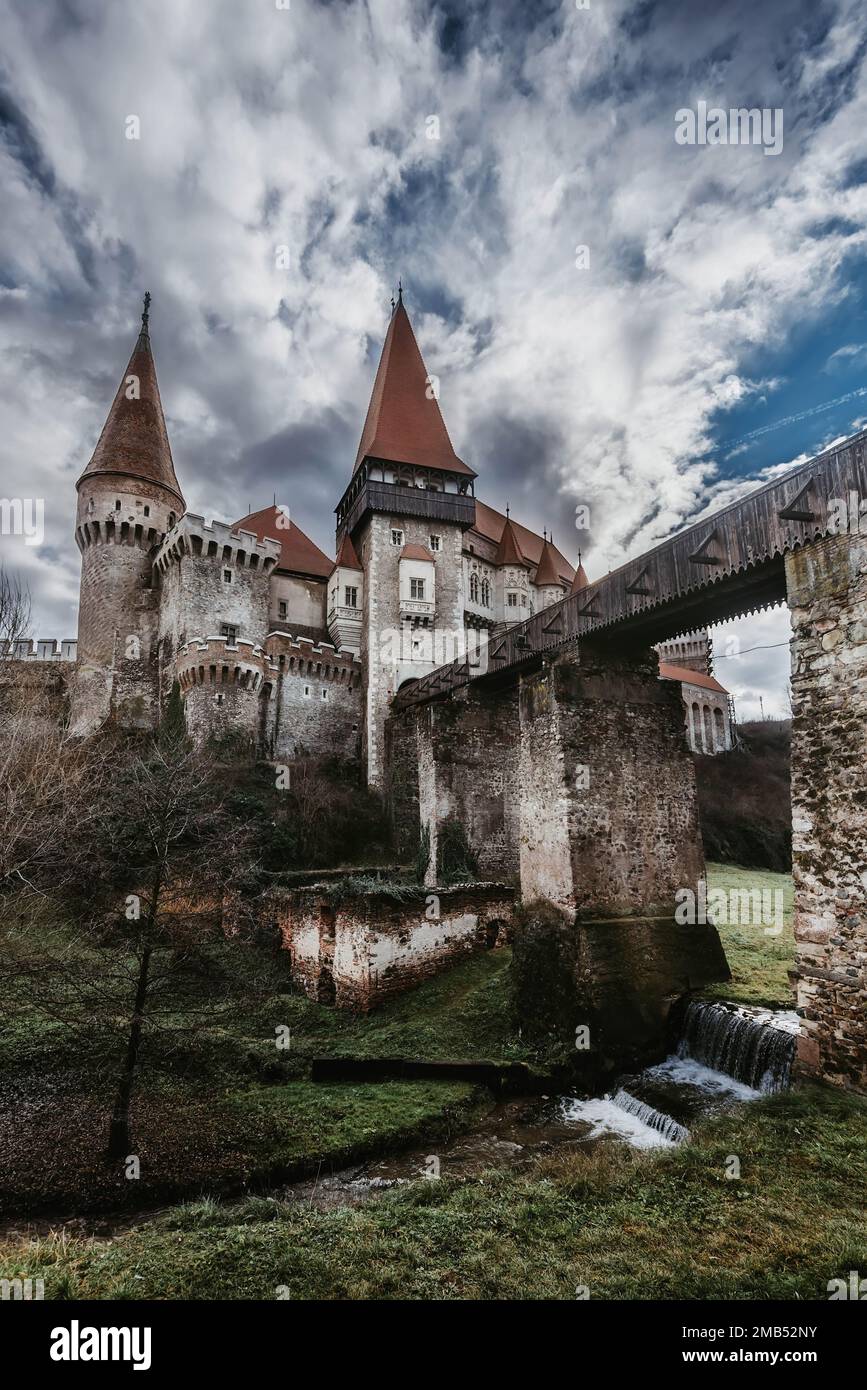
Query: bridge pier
{"points": [[826, 585], [453, 768], [609, 813]]}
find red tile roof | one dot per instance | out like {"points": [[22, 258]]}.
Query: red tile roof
{"points": [[403, 423], [490, 524], [548, 571], [134, 439], [579, 579], [346, 557], [412, 551], [298, 554], [509, 551], [683, 674]]}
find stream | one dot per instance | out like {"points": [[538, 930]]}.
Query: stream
{"points": [[727, 1054]]}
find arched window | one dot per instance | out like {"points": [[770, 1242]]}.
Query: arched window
{"points": [[719, 730], [486, 594], [708, 730], [695, 731], [474, 588]]}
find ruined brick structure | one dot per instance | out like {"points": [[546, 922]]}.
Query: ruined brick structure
{"points": [[355, 950]]}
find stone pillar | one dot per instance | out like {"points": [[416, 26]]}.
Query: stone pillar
{"points": [[466, 755], [826, 584], [609, 832], [608, 804]]}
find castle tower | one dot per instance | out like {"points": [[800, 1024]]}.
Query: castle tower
{"points": [[405, 511], [128, 498]]}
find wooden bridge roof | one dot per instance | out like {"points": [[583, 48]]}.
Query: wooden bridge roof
{"points": [[722, 567]]}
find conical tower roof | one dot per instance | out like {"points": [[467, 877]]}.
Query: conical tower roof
{"points": [[509, 550], [548, 572], [347, 558], [134, 440], [404, 423], [579, 580]]}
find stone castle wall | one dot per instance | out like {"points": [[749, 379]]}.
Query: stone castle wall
{"points": [[827, 593]]}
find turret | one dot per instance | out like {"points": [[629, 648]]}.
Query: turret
{"points": [[128, 498]]}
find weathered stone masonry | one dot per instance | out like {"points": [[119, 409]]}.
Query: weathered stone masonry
{"points": [[827, 591]]}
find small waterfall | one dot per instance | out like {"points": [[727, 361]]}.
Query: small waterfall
{"points": [[654, 1119], [750, 1045]]}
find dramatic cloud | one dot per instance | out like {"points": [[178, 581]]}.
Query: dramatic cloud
{"points": [[649, 377]]}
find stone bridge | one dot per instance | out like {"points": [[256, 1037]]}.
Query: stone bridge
{"points": [[563, 758]]}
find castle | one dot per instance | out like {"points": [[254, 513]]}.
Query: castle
{"points": [[274, 644]]}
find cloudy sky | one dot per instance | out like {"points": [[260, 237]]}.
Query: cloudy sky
{"points": [[717, 333]]}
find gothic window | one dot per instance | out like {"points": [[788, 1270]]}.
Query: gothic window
{"points": [[474, 588], [350, 596], [435, 542], [397, 537], [416, 588], [486, 594]]}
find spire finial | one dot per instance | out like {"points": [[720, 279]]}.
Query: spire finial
{"points": [[145, 311], [399, 292], [544, 534], [579, 559], [507, 511]]}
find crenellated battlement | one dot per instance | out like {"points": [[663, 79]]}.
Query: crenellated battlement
{"points": [[302, 656], [217, 541], [40, 649], [218, 661]]}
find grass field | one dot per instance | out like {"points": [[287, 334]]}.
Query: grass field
{"points": [[624, 1225], [759, 961]]}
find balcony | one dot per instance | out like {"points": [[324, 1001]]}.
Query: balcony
{"points": [[417, 608], [398, 500], [341, 614]]}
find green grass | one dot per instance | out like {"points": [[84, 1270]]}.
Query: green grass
{"points": [[759, 962], [626, 1225]]}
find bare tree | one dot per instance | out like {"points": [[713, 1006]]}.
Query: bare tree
{"points": [[14, 612]]}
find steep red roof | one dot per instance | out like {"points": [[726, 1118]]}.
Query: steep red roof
{"points": [[346, 557], [490, 524], [548, 571], [403, 423], [298, 554], [686, 677], [579, 579], [134, 439], [509, 552], [413, 551]]}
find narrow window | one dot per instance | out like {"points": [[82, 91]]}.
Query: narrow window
{"points": [[486, 594], [324, 693], [435, 542], [227, 576], [307, 692], [512, 600], [117, 505], [350, 596], [397, 538], [147, 511], [474, 588], [283, 608], [416, 588]]}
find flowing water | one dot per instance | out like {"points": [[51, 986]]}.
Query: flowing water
{"points": [[727, 1054]]}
